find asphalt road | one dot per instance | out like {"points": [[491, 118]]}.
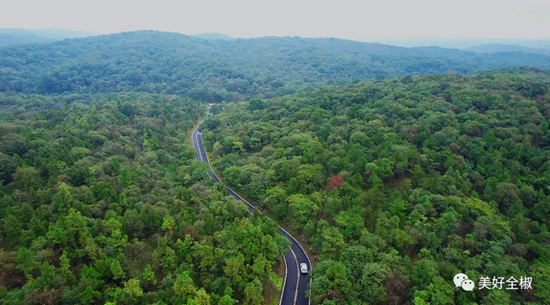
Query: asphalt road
{"points": [[294, 291]]}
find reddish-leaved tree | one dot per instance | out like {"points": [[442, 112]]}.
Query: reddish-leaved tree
{"points": [[335, 182]]}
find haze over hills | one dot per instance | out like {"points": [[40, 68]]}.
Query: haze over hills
{"points": [[165, 62], [462, 43], [10, 37], [214, 36], [497, 48]]}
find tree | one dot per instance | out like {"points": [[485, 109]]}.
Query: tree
{"points": [[26, 178], [227, 300], [275, 199], [47, 273], [116, 269], [150, 219], [132, 288], [88, 296], [479, 207], [202, 298], [423, 273], [8, 166], [168, 223], [351, 222], [330, 283], [183, 286], [256, 104], [62, 201], [253, 294], [372, 281], [238, 147], [541, 271], [127, 109], [333, 241], [506, 194], [195, 172], [12, 229], [335, 182], [234, 268], [541, 210], [26, 262], [200, 94], [496, 297], [302, 207], [148, 275], [309, 176]]}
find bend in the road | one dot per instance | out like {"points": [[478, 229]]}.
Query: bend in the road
{"points": [[294, 285]]}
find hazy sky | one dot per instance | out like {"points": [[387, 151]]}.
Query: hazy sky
{"points": [[246, 18]]}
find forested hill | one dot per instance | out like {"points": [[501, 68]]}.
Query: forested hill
{"points": [[400, 184], [214, 70], [102, 202], [10, 37]]}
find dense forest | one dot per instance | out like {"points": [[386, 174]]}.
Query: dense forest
{"points": [[400, 184], [102, 202], [396, 167], [216, 70]]}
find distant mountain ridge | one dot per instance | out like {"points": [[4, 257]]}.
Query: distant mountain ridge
{"points": [[499, 48], [214, 36], [463, 43], [15, 36], [215, 70]]}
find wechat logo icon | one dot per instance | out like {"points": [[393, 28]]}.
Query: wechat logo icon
{"points": [[462, 280]]}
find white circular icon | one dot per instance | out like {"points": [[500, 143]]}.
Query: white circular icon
{"points": [[462, 280], [459, 278], [468, 285]]}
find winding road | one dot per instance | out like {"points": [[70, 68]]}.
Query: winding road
{"points": [[295, 283]]}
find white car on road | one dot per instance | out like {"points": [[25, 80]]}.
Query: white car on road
{"points": [[303, 267]]}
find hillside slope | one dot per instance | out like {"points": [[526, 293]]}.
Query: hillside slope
{"points": [[500, 48], [214, 70], [103, 202], [10, 37], [400, 184]]}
